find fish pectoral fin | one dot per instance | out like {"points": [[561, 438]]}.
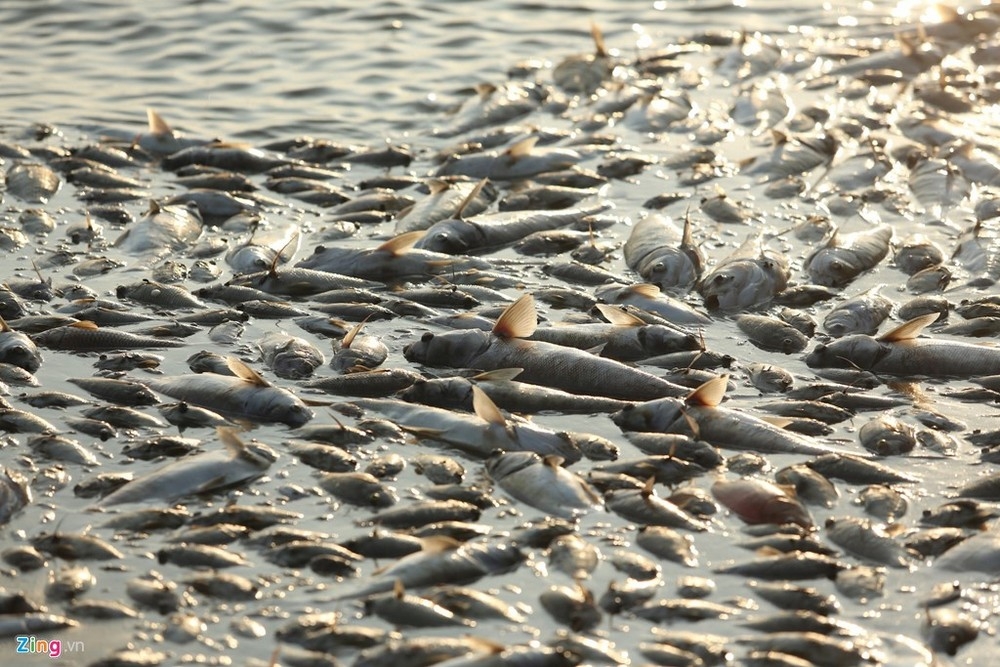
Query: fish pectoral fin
{"points": [[710, 393], [780, 422], [518, 320], [234, 445], [910, 329], [485, 408]]}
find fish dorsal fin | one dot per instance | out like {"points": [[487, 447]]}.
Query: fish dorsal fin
{"points": [[778, 138], [553, 461], [647, 487], [291, 247], [437, 185], [398, 590], [522, 148], [352, 334], [910, 329], [619, 317], [518, 320], [710, 393], [485, 408], [83, 324], [498, 375], [398, 245], [3, 325], [648, 290], [435, 544], [244, 372], [600, 49], [154, 207], [232, 442], [156, 124], [485, 90], [471, 197]]}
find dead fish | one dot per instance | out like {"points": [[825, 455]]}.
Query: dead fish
{"points": [[649, 298], [757, 501], [768, 378], [358, 352], [770, 333], [856, 470], [18, 349], [666, 543], [289, 357], [443, 561], [266, 248], [85, 336], [662, 255], [244, 396], [901, 352], [487, 231], [541, 363], [359, 488], [840, 260], [32, 182], [521, 160], [749, 278], [862, 314], [183, 416], [478, 435], [15, 494], [574, 607], [701, 416], [238, 463], [887, 436], [412, 611], [542, 483], [500, 385], [163, 229], [447, 199], [396, 259], [867, 540], [645, 507]]}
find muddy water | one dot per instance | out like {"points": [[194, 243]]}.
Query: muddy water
{"points": [[254, 73]]}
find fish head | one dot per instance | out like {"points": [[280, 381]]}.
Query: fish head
{"points": [[18, 350], [452, 237], [857, 351], [744, 283], [833, 267], [452, 348], [326, 258], [657, 415], [672, 269]]}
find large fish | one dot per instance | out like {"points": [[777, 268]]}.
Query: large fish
{"points": [[544, 364], [700, 415], [840, 260], [243, 396], [900, 352], [162, 230]]}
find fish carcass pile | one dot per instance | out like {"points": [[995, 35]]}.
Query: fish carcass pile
{"points": [[667, 359]]}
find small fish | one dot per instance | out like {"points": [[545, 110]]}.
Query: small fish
{"points": [[289, 357], [840, 260], [164, 229], [663, 256], [749, 278]]}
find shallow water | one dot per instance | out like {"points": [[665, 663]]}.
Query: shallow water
{"points": [[394, 72]]}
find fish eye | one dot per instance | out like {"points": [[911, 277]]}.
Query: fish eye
{"points": [[427, 337], [719, 279]]}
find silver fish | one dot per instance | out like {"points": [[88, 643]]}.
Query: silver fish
{"points": [[18, 349], [749, 278], [662, 255], [840, 260], [244, 396], [289, 357], [542, 483], [722, 427], [541, 363], [519, 161], [447, 199], [901, 352], [237, 463], [162, 230]]}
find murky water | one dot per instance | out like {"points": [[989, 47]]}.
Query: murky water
{"points": [[397, 73]]}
